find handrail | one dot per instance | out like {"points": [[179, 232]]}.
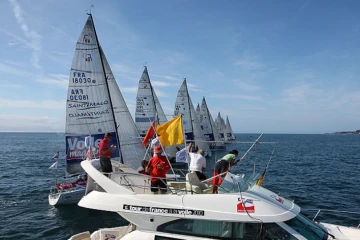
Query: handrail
{"points": [[329, 210], [147, 177]]}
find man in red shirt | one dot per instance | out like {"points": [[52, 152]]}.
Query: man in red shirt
{"points": [[158, 166], [105, 153]]}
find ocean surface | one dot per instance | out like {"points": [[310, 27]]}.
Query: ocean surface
{"points": [[316, 171]]}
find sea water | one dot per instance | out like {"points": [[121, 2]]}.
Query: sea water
{"points": [[315, 171]]}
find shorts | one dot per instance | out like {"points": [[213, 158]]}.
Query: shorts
{"points": [[161, 183], [105, 164]]}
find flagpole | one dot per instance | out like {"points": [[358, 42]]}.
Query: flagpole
{"points": [[187, 155]]}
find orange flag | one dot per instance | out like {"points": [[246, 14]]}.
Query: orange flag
{"points": [[149, 134]]}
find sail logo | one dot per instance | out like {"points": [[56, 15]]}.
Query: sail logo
{"points": [[76, 148], [278, 199], [86, 106], [89, 114], [87, 38], [88, 57], [245, 205]]}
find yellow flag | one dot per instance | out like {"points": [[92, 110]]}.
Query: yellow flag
{"points": [[171, 132]]}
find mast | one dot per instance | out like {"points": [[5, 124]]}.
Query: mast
{"points": [[188, 96], [107, 87]]}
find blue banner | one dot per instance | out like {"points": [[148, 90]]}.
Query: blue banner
{"points": [[76, 148]]}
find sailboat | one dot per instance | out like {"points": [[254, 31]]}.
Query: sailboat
{"points": [[208, 126], [221, 127], [148, 108], [191, 124], [94, 107], [229, 132]]}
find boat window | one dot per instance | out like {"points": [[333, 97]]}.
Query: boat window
{"points": [[307, 228], [226, 230]]}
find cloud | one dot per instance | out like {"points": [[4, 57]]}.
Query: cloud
{"points": [[194, 87], [247, 87], [168, 77], [128, 89], [33, 36], [161, 84], [13, 70], [44, 104], [248, 61], [236, 96], [302, 92], [57, 80], [22, 123]]}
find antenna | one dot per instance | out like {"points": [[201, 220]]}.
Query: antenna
{"points": [[91, 6], [145, 64]]}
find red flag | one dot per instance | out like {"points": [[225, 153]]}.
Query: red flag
{"points": [[149, 134]]}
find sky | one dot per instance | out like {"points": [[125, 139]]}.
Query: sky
{"points": [[271, 66]]}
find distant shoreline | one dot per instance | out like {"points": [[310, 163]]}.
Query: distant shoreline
{"points": [[346, 133]]}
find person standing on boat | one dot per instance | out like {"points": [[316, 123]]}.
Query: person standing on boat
{"points": [[222, 166], [197, 163], [157, 168], [105, 153]]}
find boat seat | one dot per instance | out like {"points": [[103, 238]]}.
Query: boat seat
{"points": [[193, 184]]}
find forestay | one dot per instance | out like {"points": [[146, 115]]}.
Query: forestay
{"points": [[208, 125], [131, 149], [88, 106], [191, 124]]}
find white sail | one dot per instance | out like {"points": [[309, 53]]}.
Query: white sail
{"points": [[147, 105], [198, 113], [148, 109], [88, 106], [220, 125], [191, 124], [229, 132], [131, 149], [208, 125]]}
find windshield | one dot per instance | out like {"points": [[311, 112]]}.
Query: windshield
{"points": [[307, 228]]}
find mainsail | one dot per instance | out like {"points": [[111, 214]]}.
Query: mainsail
{"points": [[191, 124], [148, 107], [208, 125], [198, 112], [229, 132], [90, 108]]}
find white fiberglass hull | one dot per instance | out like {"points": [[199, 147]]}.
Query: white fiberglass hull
{"points": [[66, 197]]}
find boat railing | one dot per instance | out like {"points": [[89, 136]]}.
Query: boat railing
{"points": [[332, 211], [140, 183]]}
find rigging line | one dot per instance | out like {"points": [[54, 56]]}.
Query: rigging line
{"points": [[243, 203]]}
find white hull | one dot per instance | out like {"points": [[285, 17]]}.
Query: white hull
{"points": [[66, 197]]}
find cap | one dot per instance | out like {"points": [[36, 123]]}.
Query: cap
{"points": [[157, 149]]}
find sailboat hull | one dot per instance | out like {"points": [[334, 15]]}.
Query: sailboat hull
{"points": [[66, 197]]}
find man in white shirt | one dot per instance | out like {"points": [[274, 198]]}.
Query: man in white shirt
{"points": [[197, 163]]}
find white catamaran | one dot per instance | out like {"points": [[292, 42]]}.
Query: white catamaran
{"points": [[191, 124], [94, 106], [208, 126]]}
